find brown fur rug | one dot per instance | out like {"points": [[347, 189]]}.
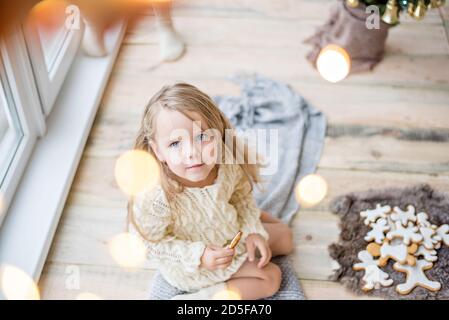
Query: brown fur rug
{"points": [[348, 207]]}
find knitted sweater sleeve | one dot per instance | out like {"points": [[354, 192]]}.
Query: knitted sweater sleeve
{"points": [[248, 212], [153, 220]]}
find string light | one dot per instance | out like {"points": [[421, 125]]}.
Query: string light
{"points": [[311, 190], [333, 63], [15, 284], [48, 15], [135, 171], [127, 250], [87, 296], [227, 295]]}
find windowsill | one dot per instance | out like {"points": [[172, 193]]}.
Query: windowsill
{"points": [[30, 224]]}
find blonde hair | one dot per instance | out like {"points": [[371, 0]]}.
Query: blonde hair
{"points": [[184, 97]]}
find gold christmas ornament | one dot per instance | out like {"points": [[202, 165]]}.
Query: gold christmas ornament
{"points": [[391, 14], [420, 10], [352, 3]]}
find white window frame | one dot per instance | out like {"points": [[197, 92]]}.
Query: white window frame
{"points": [[23, 93], [32, 218], [50, 78]]}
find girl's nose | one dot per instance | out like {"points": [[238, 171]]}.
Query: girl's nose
{"points": [[192, 153]]}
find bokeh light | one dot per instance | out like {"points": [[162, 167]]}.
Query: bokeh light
{"points": [[87, 296], [49, 15], [15, 284], [135, 171], [227, 295], [127, 250], [311, 190], [333, 63]]}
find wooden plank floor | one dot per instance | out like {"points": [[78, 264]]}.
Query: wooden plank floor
{"points": [[386, 128]]}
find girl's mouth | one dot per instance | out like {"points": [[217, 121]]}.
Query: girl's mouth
{"points": [[195, 167]]}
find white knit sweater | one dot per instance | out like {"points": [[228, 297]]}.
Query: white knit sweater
{"points": [[198, 216]]}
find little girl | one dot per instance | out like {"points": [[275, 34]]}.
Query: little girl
{"points": [[203, 200]]}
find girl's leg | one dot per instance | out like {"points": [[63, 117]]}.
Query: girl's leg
{"points": [[281, 235], [268, 218], [252, 283]]}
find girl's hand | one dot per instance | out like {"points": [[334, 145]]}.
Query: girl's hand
{"points": [[216, 257], [253, 241]]}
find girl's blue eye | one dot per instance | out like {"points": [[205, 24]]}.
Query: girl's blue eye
{"points": [[202, 136], [174, 144]]}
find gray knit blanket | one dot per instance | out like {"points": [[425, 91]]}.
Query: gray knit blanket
{"points": [[272, 105], [290, 288]]}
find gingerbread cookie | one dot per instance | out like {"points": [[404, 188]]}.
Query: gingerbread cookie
{"points": [[378, 230], [400, 253], [423, 219], [429, 255], [411, 258], [430, 239], [374, 277], [443, 233], [235, 240], [416, 277], [408, 234], [367, 260], [374, 249], [374, 214], [402, 236], [403, 216]]}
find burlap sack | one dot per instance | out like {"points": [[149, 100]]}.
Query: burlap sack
{"points": [[347, 28]]}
